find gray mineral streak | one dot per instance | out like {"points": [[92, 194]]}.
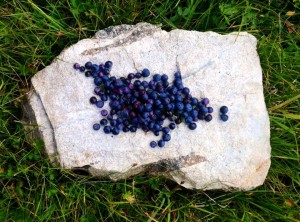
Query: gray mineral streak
{"points": [[217, 155]]}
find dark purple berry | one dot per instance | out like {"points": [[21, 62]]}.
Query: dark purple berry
{"points": [[104, 112], [82, 69], [76, 66], [205, 101], [130, 76], [138, 75], [208, 118], [88, 73], [93, 100]]}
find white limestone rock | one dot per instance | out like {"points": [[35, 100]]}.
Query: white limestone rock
{"points": [[217, 155]]}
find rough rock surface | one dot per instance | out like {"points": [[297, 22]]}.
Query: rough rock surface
{"points": [[217, 155]]}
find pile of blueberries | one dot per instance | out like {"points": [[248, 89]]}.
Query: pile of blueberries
{"points": [[139, 104]]}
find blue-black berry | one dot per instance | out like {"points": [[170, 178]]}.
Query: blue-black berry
{"points": [[161, 143], [224, 109], [108, 64], [96, 126], [82, 69], [88, 65], [166, 137], [76, 66], [103, 122], [208, 118], [192, 126], [172, 126], [224, 117], [145, 73], [210, 110], [93, 100], [99, 104], [107, 129], [153, 144]]}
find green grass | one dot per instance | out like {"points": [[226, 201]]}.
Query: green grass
{"points": [[33, 33]]}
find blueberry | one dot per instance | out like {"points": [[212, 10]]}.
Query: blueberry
{"points": [[137, 83], [103, 97], [107, 129], [208, 118], [177, 75], [95, 68], [82, 69], [113, 122], [93, 100], [210, 109], [224, 109], [194, 101], [166, 137], [156, 133], [130, 76], [172, 126], [179, 106], [88, 65], [224, 117], [164, 77], [104, 112], [194, 113], [132, 129], [205, 101], [138, 75], [156, 78], [108, 64], [97, 81], [115, 131], [178, 120], [188, 107], [161, 143], [76, 66], [145, 73], [103, 122], [148, 107], [125, 129], [204, 110], [99, 104], [185, 91], [165, 129], [188, 120], [88, 73], [96, 126], [192, 126], [153, 144]]}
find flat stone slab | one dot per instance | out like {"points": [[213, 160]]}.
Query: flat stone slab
{"points": [[217, 155]]}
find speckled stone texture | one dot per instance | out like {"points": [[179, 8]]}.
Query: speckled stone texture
{"points": [[217, 155]]}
